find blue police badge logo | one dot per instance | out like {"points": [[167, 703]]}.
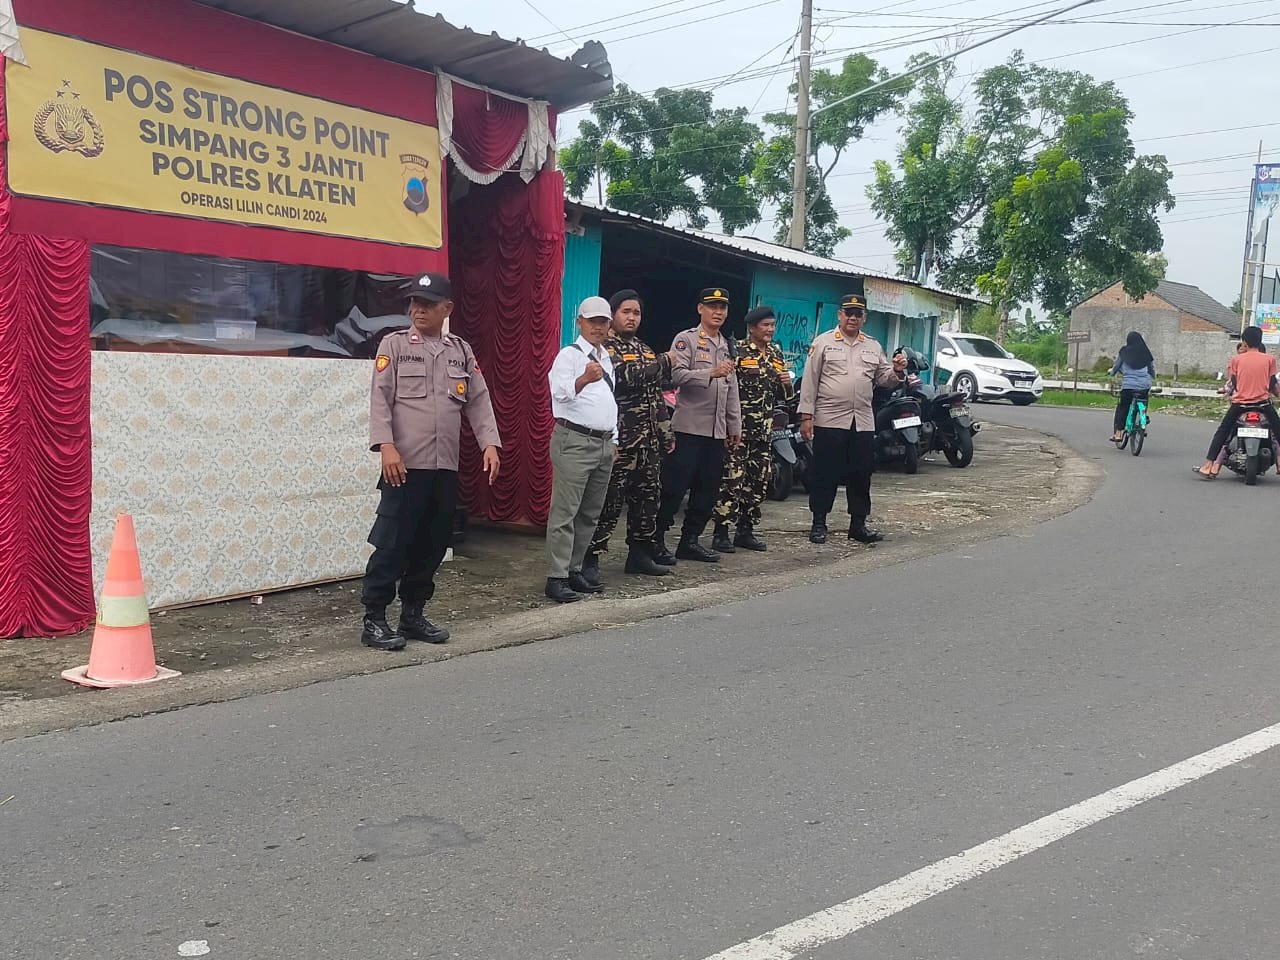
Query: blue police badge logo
{"points": [[416, 198]]}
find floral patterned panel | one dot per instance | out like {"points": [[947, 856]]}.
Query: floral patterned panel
{"points": [[243, 474]]}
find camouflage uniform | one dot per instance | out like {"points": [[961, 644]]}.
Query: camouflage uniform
{"points": [[644, 433], [763, 388]]}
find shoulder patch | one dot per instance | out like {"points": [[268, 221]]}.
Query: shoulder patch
{"points": [[682, 345], [382, 362]]}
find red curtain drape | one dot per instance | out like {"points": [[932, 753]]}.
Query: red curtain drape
{"points": [[46, 472], [506, 248], [487, 129]]}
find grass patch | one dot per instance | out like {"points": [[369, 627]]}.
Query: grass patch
{"points": [[1204, 408]]}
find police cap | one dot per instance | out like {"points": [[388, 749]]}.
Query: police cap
{"points": [[432, 287]]}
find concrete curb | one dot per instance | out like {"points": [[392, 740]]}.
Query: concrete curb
{"points": [[1072, 485]]}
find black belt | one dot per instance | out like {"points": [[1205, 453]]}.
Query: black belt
{"points": [[598, 434]]}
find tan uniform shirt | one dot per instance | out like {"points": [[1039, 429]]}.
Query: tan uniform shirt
{"points": [[422, 388], [707, 407], [840, 378]]}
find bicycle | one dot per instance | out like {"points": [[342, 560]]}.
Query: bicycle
{"points": [[1135, 426]]}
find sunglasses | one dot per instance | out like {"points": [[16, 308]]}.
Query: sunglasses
{"points": [[853, 312]]}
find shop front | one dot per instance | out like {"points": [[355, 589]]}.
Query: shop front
{"points": [[204, 223]]}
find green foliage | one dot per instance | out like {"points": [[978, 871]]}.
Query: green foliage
{"points": [[675, 153], [666, 154], [1031, 192]]}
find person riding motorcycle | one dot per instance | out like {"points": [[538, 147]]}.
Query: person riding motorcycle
{"points": [[1252, 372]]}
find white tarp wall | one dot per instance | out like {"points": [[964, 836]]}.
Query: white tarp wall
{"points": [[243, 474]]}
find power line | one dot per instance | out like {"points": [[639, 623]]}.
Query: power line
{"points": [[529, 4]]}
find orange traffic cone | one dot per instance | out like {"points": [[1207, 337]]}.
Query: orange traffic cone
{"points": [[122, 653]]}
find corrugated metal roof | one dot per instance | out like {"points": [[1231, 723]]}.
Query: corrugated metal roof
{"points": [[394, 31], [772, 252]]}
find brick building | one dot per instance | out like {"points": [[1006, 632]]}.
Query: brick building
{"points": [[1185, 328]]}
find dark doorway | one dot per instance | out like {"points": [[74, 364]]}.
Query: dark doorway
{"points": [[669, 272]]}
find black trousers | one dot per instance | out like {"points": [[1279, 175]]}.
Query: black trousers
{"points": [[410, 537], [695, 467], [842, 456], [1228, 424], [1122, 408]]}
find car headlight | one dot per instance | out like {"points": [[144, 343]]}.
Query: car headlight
{"points": [[987, 368]]}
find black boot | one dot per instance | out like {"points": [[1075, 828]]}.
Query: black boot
{"points": [[378, 633], [720, 541], [580, 584], [591, 570], [559, 590], [661, 555], [818, 532], [858, 531], [747, 539], [691, 549], [640, 560], [414, 626]]}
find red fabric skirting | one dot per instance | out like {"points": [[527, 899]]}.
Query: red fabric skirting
{"points": [[46, 474], [506, 259]]}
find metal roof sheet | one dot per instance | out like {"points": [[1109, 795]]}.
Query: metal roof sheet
{"points": [[772, 252], [395, 31], [1196, 302]]}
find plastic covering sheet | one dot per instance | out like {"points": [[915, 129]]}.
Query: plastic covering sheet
{"points": [[180, 303]]}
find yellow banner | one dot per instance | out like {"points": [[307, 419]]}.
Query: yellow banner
{"points": [[97, 125]]}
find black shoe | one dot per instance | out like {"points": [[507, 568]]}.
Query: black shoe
{"points": [[591, 571], [560, 591], [720, 541], [378, 633], [747, 539], [414, 626], [818, 532], [691, 549], [580, 584], [640, 560], [858, 531], [661, 555]]}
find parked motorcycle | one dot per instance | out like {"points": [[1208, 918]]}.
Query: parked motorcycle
{"points": [[1251, 448], [792, 456], [898, 421], [947, 422]]}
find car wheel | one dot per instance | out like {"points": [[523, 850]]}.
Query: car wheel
{"points": [[966, 384], [1023, 401]]}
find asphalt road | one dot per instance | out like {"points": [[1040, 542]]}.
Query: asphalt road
{"points": [[671, 789]]}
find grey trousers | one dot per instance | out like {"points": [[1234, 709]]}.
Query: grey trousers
{"points": [[580, 468]]}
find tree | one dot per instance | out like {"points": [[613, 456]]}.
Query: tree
{"points": [[1029, 194], [772, 178], [666, 154], [831, 134]]}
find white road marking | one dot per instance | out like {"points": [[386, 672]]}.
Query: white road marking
{"points": [[835, 923]]}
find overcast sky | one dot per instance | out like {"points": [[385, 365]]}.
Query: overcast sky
{"points": [[1190, 85]]}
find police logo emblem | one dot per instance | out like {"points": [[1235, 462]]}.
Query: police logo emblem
{"points": [[382, 362], [416, 199], [461, 389], [63, 125]]}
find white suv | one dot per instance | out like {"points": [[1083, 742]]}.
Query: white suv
{"points": [[983, 370]]}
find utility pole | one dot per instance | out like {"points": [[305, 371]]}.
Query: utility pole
{"points": [[800, 176]]}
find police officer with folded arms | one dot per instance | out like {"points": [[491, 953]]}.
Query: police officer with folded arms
{"points": [[707, 420], [424, 383], [844, 368]]}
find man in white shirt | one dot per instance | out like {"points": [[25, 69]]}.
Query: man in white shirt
{"points": [[584, 443]]}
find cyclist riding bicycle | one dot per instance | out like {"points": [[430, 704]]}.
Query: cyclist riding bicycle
{"points": [[1136, 364]]}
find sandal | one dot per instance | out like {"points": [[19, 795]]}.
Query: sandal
{"points": [[1204, 476]]}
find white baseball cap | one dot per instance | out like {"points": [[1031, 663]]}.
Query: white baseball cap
{"points": [[597, 307]]}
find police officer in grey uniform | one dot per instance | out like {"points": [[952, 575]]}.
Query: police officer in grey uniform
{"points": [[707, 420], [845, 366], [424, 383]]}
